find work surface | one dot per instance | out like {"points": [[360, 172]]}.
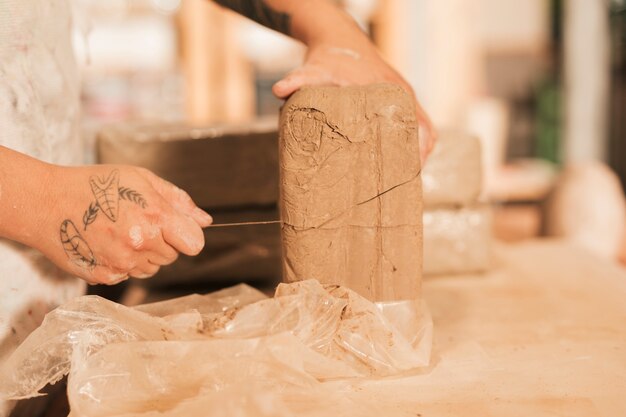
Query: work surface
{"points": [[544, 334]]}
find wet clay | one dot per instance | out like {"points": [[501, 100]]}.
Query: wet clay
{"points": [[350, 190]]}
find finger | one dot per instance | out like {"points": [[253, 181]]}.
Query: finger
{"points": [[150, 240], [427, 138], [299, 78], [181, 201], [183, 234], [284, 88], [146, 270], [178, 198], [165, 256]]}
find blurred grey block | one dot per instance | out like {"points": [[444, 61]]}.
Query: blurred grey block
{"points": [[219, 166], [452, 173], [232, 171], [457, 240]]}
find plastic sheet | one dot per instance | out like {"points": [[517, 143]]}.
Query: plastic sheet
{"points": [[236, 350]]}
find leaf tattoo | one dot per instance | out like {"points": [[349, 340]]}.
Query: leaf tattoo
{"points": [[134, 196], [106, 193], [90, 214], [76, 247]]}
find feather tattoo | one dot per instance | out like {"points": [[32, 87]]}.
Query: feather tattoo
{"points": [[108, 194], [132, 195], [90, 214], [76, 247]]}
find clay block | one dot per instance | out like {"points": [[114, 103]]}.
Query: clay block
{"points": [[452, 174], [219, 166], [457, 240], [350, 190]]}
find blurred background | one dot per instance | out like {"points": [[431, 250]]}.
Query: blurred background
{"points": [[540, 83], [498, 68]]}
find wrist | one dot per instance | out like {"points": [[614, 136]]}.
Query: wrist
{"points": [[315, 33], [39, 206]]}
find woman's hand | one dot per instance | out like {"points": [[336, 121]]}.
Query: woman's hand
{"points": [[107, 223], [339, 52], [358, 65]]}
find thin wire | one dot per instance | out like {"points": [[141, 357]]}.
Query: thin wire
{"points": [[245, 223], [377, 196]]}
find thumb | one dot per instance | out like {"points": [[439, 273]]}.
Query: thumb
{"points": [[306, 75], [286, 86]]}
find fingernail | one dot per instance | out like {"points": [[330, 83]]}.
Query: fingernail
{"points": [[195, 243], [203, 215]]}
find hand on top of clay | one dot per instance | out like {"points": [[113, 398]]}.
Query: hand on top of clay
{"points": [[359, 64], [107, 223]]}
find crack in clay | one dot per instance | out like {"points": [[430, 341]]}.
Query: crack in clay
{"points": [[322, 119], [374, 198], [352, 226]]}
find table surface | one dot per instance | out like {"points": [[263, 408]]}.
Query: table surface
{"points": [[543, 334]]}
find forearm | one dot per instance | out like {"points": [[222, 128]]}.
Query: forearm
{"points": [[23, 182], [314, 22]]}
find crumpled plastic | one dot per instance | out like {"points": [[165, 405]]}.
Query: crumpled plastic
{"points": [[234, 352]]}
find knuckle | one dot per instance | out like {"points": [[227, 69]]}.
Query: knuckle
{"points": [[183, 195], [171, 258], [144, 171], [124, 263], [135, 238]]}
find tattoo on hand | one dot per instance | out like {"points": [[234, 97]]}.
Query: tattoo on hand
{"points": [[76, 247], [132, 195], [91, 214], [108, 194], [260, 12]]}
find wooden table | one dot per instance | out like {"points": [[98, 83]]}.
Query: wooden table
{"points": [[543, 334]]}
